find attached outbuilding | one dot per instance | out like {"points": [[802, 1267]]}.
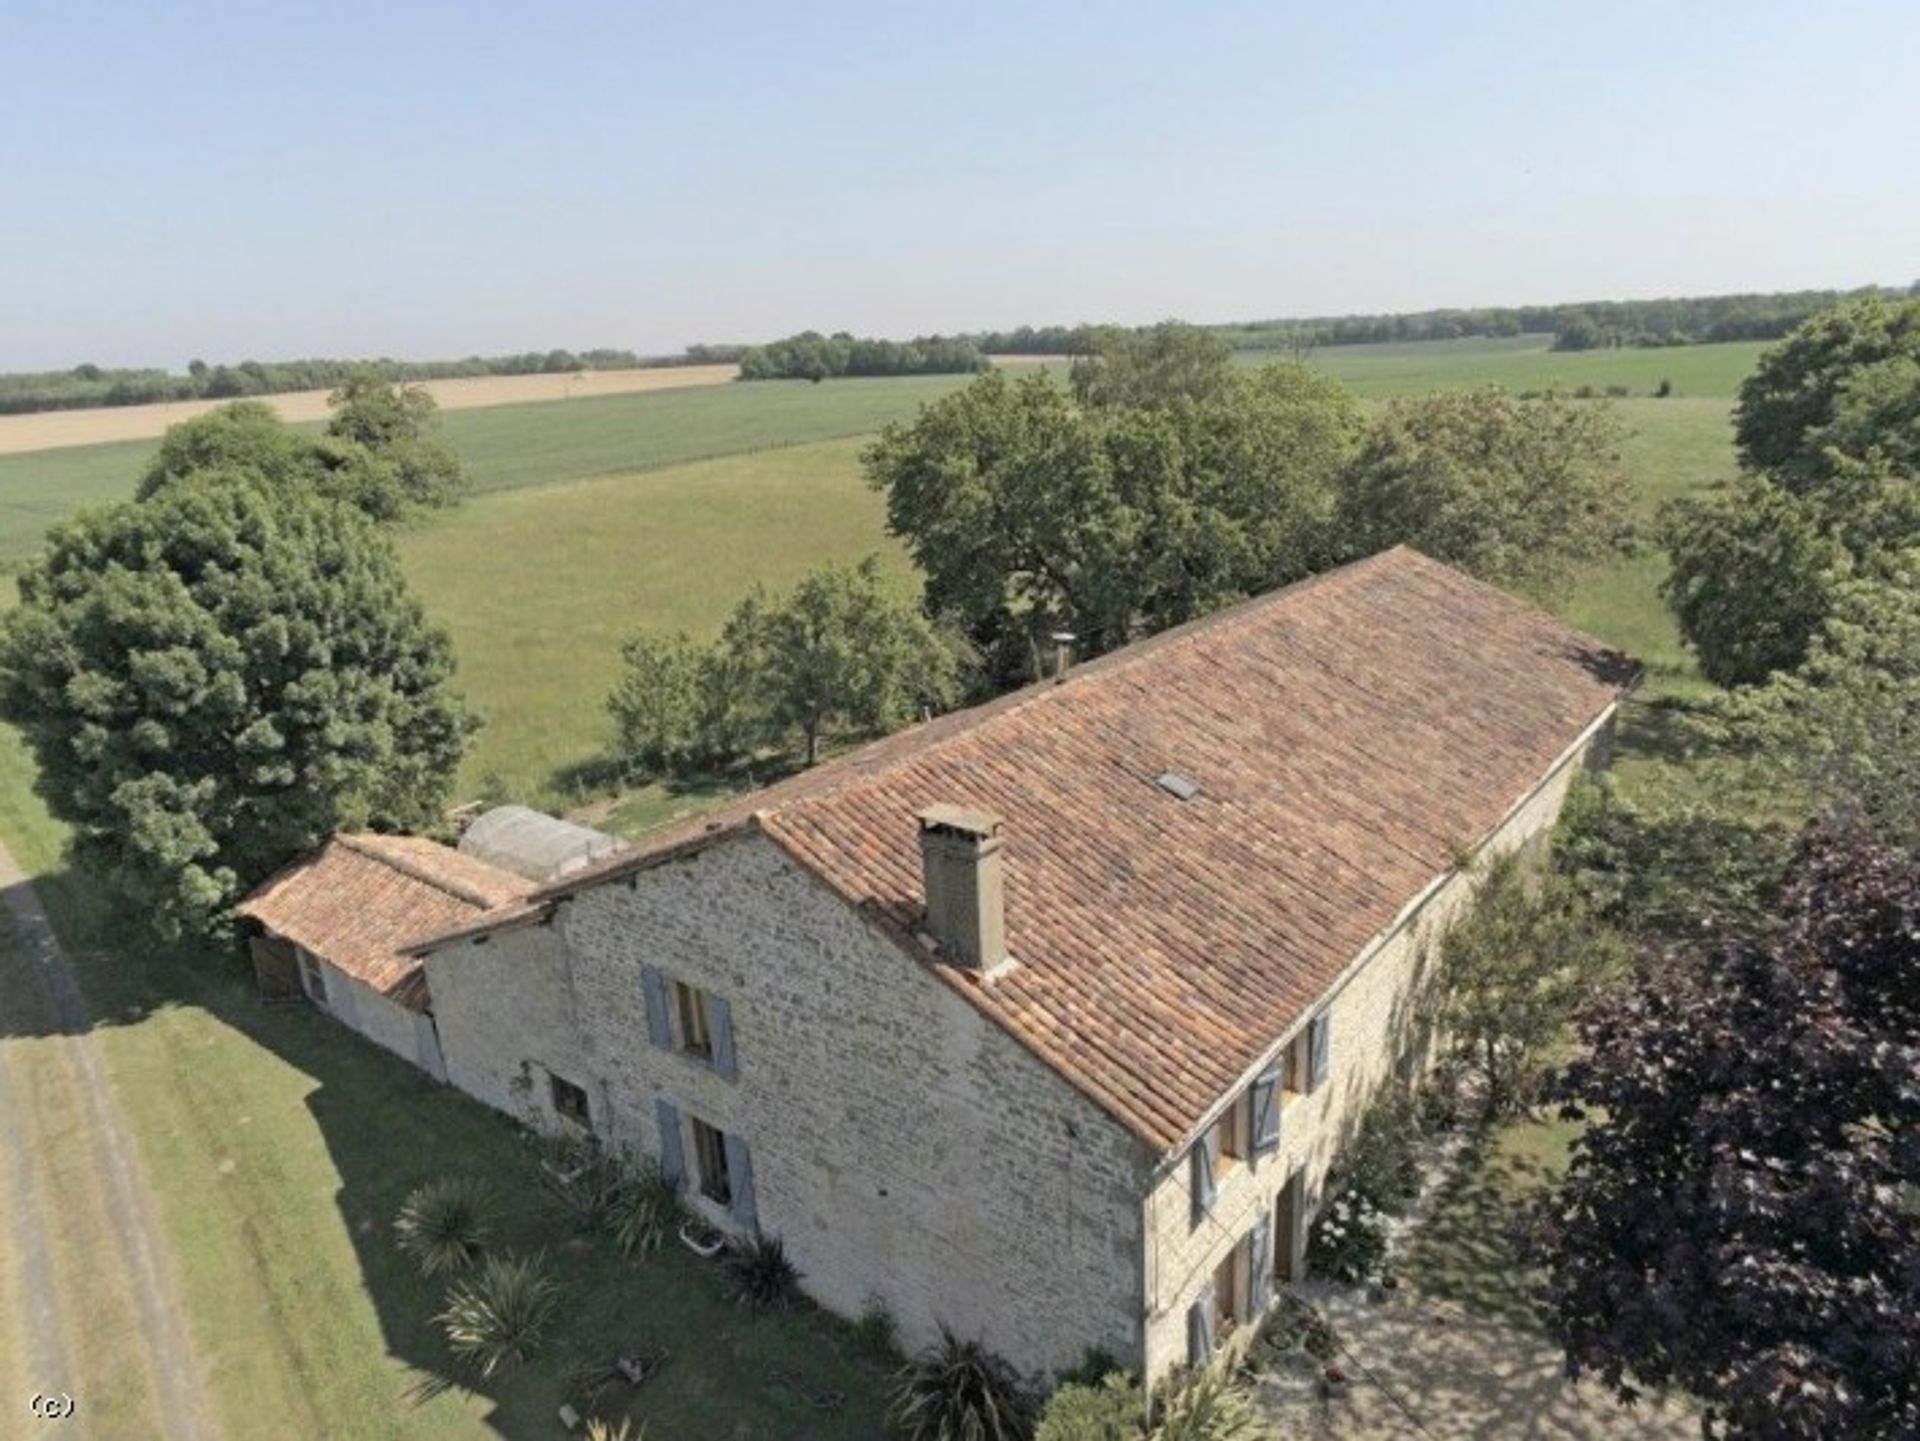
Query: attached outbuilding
{"points": [[532, 844], [332, 925]]}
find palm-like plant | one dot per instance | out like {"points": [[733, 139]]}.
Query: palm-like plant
{"points": [[646, 1210], [761, 1274], [1210, 1407], [499, 1317], [959, 1391], [443, 1225]]}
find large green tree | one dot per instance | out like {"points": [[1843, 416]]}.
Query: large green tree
{"points": [[1846, 723], [218, 677], [1027, 512], [1157, 365], [399, 425], [1811, 391], [1753, 573], [1516, 491]]}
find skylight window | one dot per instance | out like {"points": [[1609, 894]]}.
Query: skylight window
{"points": [[1178, 786]]}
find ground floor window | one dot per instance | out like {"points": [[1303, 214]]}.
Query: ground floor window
{"points": [[710, 1159], [1229, 1289], [313, 976], [569, 1100]]}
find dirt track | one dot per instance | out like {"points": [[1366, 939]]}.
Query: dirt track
{"points": [[57, 429]]}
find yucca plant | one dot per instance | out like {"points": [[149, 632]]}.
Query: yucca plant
{"points": [[599, 1429], [761, 1274], [499, 1317], [443, 1225], [584, 1180], [646, 1210], [1210, 1407], [959, 1391]]}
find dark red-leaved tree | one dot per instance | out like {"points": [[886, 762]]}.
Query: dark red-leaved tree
{"points": [[1742, 1216]]}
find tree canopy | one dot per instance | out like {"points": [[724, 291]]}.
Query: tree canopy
{"points": [[1515, 491], [1159, 365], [1027, 513], [1836, 366], [1739, 1215], [216, 678], [841, 653]]}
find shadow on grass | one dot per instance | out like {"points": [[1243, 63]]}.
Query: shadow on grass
{"points": [[1469, 1250], [282, 1095]]}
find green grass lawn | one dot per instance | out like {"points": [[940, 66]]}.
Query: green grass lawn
{"points": [[280, 1146], [540, 586], [1463, 1252]]}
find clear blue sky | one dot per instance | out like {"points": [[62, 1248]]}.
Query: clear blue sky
{"points": [[273, 180]]}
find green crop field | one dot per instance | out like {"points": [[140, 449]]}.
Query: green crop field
{"points": [[1524, 362]]}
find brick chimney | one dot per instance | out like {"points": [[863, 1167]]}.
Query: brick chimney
{"points": [[966, 905]]}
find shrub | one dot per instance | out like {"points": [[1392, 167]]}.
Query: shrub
{"points": [[1663, 389], [498, 1318], [760, 1273], [1110, 1409], [584, 1180], [1381, 1163], [1294, 1322], [443, 1225], [958, 1390], [1349, 1238], [1210, 1407], [645, 1210]]}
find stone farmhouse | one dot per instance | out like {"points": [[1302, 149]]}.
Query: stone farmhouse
{"points": [[1043, 1020]]}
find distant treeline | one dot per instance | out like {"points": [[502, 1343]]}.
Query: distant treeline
{"points": [[88, 386], [1587, 325], [813, 356]]}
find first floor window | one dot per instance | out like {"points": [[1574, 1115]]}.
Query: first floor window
{"points": [[569, 1100], [314, 977], [710, 1157]]}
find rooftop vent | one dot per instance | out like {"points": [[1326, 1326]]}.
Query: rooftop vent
{"points": [[1177, 785]]}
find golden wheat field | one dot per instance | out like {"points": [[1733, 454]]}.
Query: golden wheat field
{"points": [[54, 430]]}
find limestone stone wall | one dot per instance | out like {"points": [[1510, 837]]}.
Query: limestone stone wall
{"points": [[907, 1150], [504, 1006], [1377, 1024]]}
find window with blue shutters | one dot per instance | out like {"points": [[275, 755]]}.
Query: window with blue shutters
{"points": [[684, 1018], [740, 1180]]}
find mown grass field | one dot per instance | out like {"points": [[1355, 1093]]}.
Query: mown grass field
{"points": [[279, 1147], [511, 446]]}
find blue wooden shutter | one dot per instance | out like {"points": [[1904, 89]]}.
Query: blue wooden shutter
{"points": [[1200, 1328], [1200, 1168], [1261, 1264], [673, 1162], [1317, 1051], [740, 1182], [720, 1029], [1266, 1111], [656, 988]]}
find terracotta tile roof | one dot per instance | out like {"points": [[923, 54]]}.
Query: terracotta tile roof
{"points": [[363, 896], [1348, 736]]}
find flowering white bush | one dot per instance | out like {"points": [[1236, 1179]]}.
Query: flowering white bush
{"points": [[1349, 1238]]}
